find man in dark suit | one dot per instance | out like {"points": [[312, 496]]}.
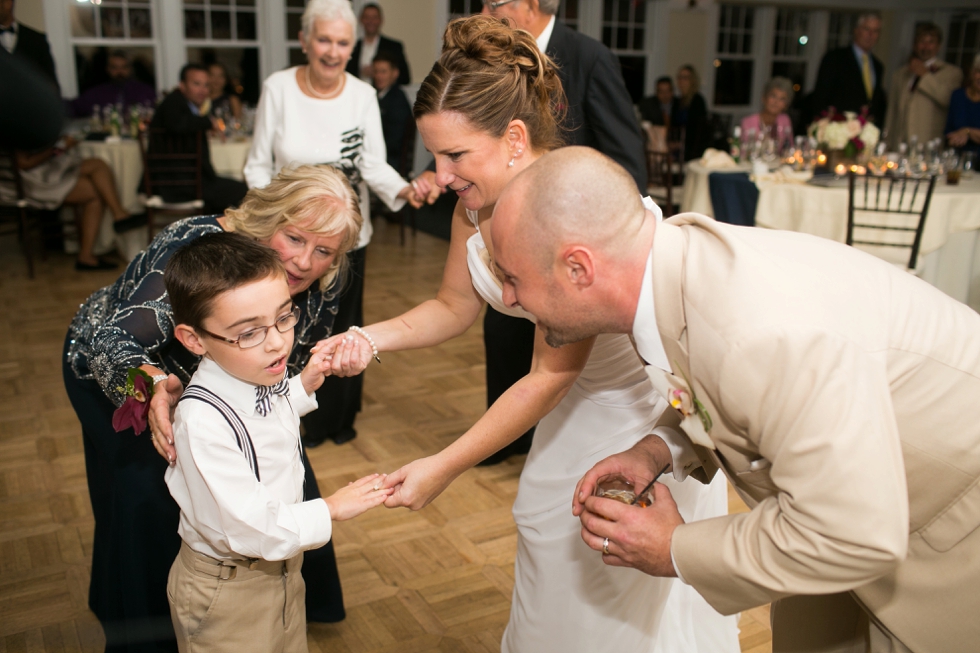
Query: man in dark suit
{"points": [[851, 77], [180, 114], [600, 115], [658, 109], [22, 41], [362, 58], [396, 113]]}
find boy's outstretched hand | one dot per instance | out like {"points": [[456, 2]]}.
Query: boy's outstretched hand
{"points": [[359, 496], [316, 369]]}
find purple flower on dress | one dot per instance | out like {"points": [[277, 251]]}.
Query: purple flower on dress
{"points": [[132, 414]]}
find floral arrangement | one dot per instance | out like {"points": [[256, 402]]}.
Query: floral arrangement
{"points": [[848, 131], [133, 412]]}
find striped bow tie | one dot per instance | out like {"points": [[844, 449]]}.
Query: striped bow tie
{"points": [[263, 395]]}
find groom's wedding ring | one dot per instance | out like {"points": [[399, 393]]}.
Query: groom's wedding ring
{"points": [[605, 546]]}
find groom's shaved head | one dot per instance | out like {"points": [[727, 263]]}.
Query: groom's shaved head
{"points": [[571, 238], [573, 194]]}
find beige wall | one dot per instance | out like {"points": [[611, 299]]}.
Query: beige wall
{"points": [[688, 41], [31, 13], [413, 23]]}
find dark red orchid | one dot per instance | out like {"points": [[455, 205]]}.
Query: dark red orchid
{"points": [[132, 414]]}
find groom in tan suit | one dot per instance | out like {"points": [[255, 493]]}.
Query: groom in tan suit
{"points": [[839, 395]]}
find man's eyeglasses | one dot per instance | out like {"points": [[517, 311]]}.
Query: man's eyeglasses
{"points": [[256, 336], [493, 5]]}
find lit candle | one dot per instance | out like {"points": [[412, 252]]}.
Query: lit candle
{"points": [[840, 169], [822, 159]]}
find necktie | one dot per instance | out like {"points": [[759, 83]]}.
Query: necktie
{"points": [[866, 74], [263, 395], [8, 29]]}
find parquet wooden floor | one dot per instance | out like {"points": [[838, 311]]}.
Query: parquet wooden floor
{"points": [[436, 580]]}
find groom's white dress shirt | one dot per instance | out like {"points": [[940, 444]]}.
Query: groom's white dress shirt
{"points": [[225, 512]]}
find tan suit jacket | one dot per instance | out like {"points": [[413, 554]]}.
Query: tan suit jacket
{"points": [[845, 396], [921, 112]]}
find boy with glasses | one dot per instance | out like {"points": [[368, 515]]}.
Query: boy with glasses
{"points": [[236, 583]]}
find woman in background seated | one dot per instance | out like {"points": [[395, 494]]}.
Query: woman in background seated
{"points": [[223, 96], [59, 175], [963, 121], [772, 120], [691, 113]]}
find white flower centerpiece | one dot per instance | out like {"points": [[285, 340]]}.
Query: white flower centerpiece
{"points": [[844, 136]]}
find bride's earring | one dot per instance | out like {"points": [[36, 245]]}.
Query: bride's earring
{"points": [[514, 158]]}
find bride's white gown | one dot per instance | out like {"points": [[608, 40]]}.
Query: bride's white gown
{"points": [[565, 598]]}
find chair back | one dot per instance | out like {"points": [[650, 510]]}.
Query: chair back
{"points": [[660, 176], [887, 215], [10, 180], [172, 164]]}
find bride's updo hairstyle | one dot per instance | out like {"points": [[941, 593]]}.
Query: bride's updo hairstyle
{"points": [[491, 74]]}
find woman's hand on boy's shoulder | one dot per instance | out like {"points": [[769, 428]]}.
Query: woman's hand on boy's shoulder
{"points": [[163, 403], [357, 497]]}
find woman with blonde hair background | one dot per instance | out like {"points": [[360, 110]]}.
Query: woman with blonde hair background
{"points": [[311, 217], [487, 110]]}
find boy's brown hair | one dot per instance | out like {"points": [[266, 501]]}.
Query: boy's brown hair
{"points": [[213, 264]]}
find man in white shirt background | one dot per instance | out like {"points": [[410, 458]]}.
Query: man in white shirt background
{"points": [[920, 91]]}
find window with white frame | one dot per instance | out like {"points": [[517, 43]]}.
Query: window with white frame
{"points": [[568, 13], [790, 49], [98, 27], [624, 32], [734, 62], [461, 8], [840, 28], [226, 32], [294, 24], [963, 42]]}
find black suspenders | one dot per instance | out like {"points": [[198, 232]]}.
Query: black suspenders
{"points": [[242, 438]]}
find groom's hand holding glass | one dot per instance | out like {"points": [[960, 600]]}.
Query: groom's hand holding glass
{"points": [[629, 536]]}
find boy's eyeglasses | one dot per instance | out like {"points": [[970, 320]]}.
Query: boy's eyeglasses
{"points": [[256, 336], [493, 5]]}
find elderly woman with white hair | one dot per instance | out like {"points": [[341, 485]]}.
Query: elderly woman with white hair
{"points": [[320, 114]]}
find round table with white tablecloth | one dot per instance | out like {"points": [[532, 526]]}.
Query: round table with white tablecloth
{"points": [[950, 244], [123, 157]]}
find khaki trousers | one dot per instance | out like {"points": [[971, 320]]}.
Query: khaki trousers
{"points": [[236, 606]]}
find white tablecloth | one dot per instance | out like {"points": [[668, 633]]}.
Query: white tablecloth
{"points": [[950, 246], [228, 158], [123, 157], [695, 195]]}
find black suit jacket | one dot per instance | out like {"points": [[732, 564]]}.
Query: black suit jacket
{"points": [[389, 45], [33, 46], [175, 116], [396, 113], [652, 112], [840, 84], [600, 110]]}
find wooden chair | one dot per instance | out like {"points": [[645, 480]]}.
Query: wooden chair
{"points": [[660, 173], [17, 215], [172, 165], [892, 213]]}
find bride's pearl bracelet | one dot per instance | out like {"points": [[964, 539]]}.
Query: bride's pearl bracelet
{"points": [[361, 332]]}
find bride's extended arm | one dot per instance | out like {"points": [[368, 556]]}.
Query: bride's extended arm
{"points": [[553, 371], [454, 309]]}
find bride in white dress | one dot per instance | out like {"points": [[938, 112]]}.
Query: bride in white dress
{"points": [[485, 112]]}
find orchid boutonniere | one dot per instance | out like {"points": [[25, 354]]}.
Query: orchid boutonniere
{"points": [[133, 412], [679, 393]]}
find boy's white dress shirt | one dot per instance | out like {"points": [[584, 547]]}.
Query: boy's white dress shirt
{"points": [[225, 512]]}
